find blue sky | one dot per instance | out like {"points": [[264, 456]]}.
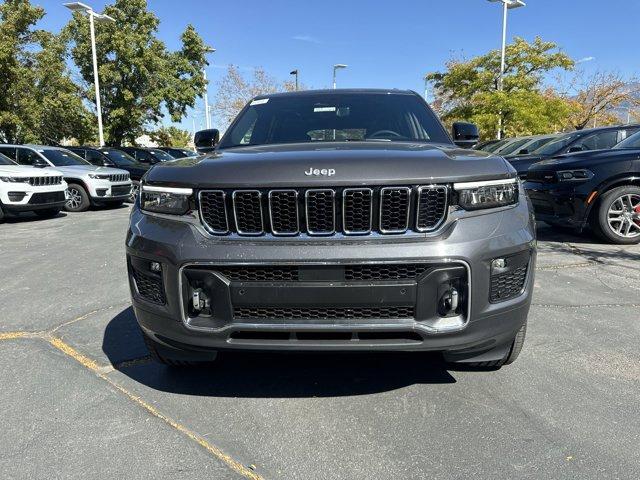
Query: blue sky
{"points": [[386, 44]]}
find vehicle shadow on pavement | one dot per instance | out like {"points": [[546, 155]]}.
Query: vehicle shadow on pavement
{"points": [[271, 375], [27, 217]]}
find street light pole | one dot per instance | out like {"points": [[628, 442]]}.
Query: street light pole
{"points": [[207, 117], [335, 68], [295, 72], [81, 7], [506, 5]]}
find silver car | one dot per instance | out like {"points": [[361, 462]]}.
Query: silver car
{"points": [[88, 184]]}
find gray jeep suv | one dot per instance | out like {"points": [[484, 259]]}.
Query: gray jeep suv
{"points": [[334, 220]]}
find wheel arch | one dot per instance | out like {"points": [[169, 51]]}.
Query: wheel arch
{"points": [[609, 184]]}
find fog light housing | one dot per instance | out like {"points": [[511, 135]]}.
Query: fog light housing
{"points": [[155, 267], [498, 264]]}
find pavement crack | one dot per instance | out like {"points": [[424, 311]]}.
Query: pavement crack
{"points": [[594, 305]]}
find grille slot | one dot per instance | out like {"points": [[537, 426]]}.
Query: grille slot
{"points": [[247, 209], [319, 313], [320, 211], [394, 209], [357, 210], [50, 197], [120, 190], [150, 288], [283, 212], [384, 272], [259, 274], [432, 207], [213, 211], [506, 286]]}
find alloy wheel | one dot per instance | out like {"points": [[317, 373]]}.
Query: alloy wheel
{"points": [[75, 199], [623, 215]]}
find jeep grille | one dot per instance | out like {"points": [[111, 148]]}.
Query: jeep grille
{"points": [[324, 211]]}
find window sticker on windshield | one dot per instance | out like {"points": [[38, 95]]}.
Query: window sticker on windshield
{"points": [[260, 101], [324, 109]]}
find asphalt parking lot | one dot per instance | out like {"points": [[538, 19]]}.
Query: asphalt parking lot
{"points": [[81, 399]]}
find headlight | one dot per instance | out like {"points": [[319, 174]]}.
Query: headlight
{"points": [[176, 201], [488, 194], [97, 176], [581, 175], [15, 179]]}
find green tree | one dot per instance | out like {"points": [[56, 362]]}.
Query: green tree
{"points": [[171, 137], [140, 80], [468, 90], [39, 101]]}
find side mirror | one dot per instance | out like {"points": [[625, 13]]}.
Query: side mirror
{"points": [[39, 163], [575, 149], [108, 163], [465, 134], [206, 140], [524, 151]]}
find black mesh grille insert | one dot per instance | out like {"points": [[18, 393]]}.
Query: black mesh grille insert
{"points": [[259, 274], [356, 206], [213, 211], [283, 211], [49, 197], [432, 206], [149, 287], [247, 206], [394, 209], [320, 211], [508, 285], [384, 272], [310, 313], [120, 190]]}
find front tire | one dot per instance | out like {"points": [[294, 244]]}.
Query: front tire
{"points": [[176, 358], [47, 212], [617, 219], [78, 199]]}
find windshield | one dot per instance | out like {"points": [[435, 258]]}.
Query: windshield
{"points": [[632, 142], [160, 155], [119, 157], [339, 117], [181, 153], [558, 144], [495, 146], [4, 160], [63, 158], [514, 146]]}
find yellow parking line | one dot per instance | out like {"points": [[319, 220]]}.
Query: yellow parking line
{"points": [[12, 335], [215, 451]]}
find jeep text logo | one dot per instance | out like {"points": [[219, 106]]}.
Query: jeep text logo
{"points": [[327, 172]]}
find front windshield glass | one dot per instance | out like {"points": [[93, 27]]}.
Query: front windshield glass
{"points": [[339, 117], [514, 146], [495, 146], [182, 153], [161, 154], [119, 157], [4, 160], [631, 142], [63, 158], [558, 144]]}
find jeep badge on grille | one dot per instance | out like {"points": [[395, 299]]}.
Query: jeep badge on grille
{"points": [[327, 172]]}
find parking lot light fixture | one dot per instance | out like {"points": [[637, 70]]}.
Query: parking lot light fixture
{"points": [[506, 6], [100, 18], [335, 68], [295, 72]]}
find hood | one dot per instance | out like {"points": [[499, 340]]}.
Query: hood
{"points": [[24, 171], [339, 163], [587, 159], [84, 169], [522, 162]]}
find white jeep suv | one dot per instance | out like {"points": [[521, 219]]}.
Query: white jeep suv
{"points": [[87, 184], [30, 189]]}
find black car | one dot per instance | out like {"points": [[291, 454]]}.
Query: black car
{"points": [[578, 141], [599, 188], [334, 220], [114, 157], [177, 152], [150, 156]]}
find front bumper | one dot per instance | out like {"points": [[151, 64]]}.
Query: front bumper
{"points": [[105, 191], [25, 198], [470, 244]]}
